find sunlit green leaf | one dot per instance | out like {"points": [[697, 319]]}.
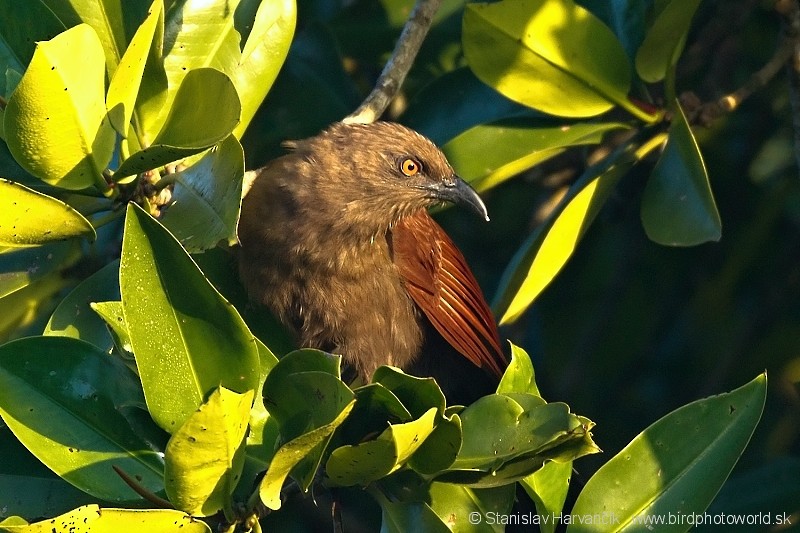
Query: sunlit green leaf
{"points": [[548, 248], [472, 510], [187, 338], [519, 376], [206, 198], [292, 453], [187, 131], [678, 207], [417, 394], [64, 400], [374, 459], [55, 122], [29, 218], [551, 55], [204, 458], [676, 465], [263, 55], [124, 87], [19, 268], [510, 147], [665, 40], [108, 520]]}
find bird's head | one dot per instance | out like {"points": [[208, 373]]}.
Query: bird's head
{"points": [[375, 174]]}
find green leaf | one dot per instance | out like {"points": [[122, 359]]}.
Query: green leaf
{"points": [[108, 520], [417, 394], [547, 250], [65, 401], [519, 375], [441, 448], [293, 452], [74, 317], [548, 487], [206, 198], [678, 207], [551, 55], [124, 87], [665, 40], [264, 431], [374, 459], [435, 112], [676, 465], [55, 122], [512, 146], [472, 510], [20, 268], [23, 25], [112, 315], [303, 392], [401, 517], [204, 458], [263, 54], [187, 131], [29, 218], [187, 338]]}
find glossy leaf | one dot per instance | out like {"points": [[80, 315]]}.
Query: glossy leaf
{"points": [[107, 520], [374, 459], [456, 102], [464, 509], [400, 517], [74, 317], [676, 465], [64, 400], [417, 394], [21, 267], [187, 338], [30, 218], [548, 248], [23, 24], [206, 198], [519, 376], [111, 313], [263, 54], [124, 87], [187, 131], [55, 122], [548, 488], [510, 147], [292, 453], [678, 207], [441, 448], [204, 458], [665, 40], [551, 55]]}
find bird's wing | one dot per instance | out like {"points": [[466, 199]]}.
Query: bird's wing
{"points": [[441, 284]]}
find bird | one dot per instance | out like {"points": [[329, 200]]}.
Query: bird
{"points": [[336, 240]]}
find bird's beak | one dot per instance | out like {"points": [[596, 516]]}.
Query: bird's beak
{"points": [[460, 192]]}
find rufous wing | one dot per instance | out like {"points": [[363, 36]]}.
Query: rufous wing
{"points": [[441, 284]]}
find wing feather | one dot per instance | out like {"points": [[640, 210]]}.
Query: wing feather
{"points": [[441, 284]]}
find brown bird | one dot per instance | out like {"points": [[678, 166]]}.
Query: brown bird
{"points": [[337, 242]]}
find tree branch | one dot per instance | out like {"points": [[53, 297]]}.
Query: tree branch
{"points": [[396, 69]]}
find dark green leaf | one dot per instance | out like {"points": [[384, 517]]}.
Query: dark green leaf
{"points": [[678, 207], [64, 400], [548, 487], [665, 40], [417, 394], [472, 510]]}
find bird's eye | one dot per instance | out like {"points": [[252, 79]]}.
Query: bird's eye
{"points": [[409, 167]]}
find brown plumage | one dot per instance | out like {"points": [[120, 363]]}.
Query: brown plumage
{"points": [[336, 241]]}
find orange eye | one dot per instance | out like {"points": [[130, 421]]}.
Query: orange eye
{"points": [[409, 167]]}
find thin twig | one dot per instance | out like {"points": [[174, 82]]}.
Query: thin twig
{"points": [[396, 69], [141, 491]]}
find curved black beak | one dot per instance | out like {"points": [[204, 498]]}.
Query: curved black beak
{"points": [[459, 192]]}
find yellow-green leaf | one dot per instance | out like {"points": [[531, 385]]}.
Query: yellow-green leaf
{"points": [[204, 458], [55, 122], [124, 87], [552, 55], [665, 40], [30, 218], [91, 518]]}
